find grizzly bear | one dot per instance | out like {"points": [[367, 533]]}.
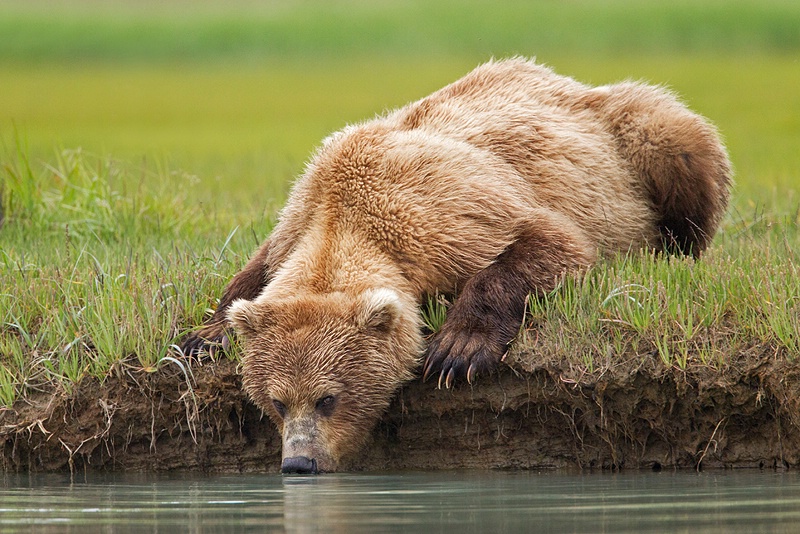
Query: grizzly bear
{"points": [[490, 189]]}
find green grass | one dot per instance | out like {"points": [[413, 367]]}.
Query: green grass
{"points": [[148, 147], [680, 312], [96, 276]]}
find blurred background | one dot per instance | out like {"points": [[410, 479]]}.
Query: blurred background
{"points": [[233, 96]]}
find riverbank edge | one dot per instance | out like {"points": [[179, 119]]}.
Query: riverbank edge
{"points": [[194, 416]]}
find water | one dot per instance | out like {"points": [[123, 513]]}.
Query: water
{"points": [[462, 502]]}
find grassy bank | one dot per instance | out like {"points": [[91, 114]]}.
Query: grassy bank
{"points": [[146, 153]]}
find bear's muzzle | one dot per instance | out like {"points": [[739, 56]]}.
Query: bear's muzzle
{"points": [[299, 465], [304, 447]]}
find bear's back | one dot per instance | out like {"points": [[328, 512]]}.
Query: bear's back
{"points": [[443, 184], [552, 132]]}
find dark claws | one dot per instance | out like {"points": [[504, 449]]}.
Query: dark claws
{"points": [[189, 347], [426, 368], [448, 379], [217, 348], [212, 340], [435, 361], [447, 357]]}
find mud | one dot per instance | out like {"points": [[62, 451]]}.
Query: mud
{"points": [[642, 415]]}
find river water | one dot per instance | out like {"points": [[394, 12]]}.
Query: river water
{"points": [[472, 501]]}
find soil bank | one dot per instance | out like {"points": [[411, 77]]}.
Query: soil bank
{"points": [[634, 415]]}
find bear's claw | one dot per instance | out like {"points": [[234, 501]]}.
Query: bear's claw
{"points": [[471, 373], [460, 355], [211, 339]]}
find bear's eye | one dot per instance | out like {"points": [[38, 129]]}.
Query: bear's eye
{"points": [[279, 407], [325, 405]]}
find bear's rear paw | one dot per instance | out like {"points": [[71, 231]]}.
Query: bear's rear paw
{"points": [[211, 339], [462, 352]]}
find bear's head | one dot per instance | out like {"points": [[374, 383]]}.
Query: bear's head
{"points": [[325, 367]]}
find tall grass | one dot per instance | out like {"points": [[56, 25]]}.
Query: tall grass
{"points": [[91, 198], [680, 311], [100, 272]]}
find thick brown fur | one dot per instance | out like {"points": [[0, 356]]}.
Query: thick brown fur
{"points": [[491, 188]]}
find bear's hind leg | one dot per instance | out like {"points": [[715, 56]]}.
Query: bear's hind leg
{"points": [[679, 158], [247, 284], [693, 200], [489, 311]]}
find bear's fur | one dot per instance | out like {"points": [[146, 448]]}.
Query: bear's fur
{"points": [[491, 189]]}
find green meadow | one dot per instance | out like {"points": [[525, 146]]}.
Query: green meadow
{"points": [[148, 146]]}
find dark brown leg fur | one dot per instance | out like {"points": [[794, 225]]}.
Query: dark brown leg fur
{"points": [[680, 160], [487, 315], [690, 210], [247, 284]]}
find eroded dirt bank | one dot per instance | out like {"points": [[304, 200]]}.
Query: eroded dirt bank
{"points": [[642, 416]]}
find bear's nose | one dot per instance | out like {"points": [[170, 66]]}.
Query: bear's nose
{"points": [[300, 465]]}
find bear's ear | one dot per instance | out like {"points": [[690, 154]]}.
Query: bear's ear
{"points": [[378, 310], [246, 317]]}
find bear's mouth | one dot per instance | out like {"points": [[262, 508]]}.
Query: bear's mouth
{"points": [[299, 465]]}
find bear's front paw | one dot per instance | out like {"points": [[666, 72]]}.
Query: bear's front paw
{"points": [[211, 339], [457, 352]]}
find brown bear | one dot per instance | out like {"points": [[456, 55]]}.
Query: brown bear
{"points": [[490, 189]]}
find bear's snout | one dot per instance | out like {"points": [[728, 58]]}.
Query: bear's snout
{"points": [[300, 465], [305, 447]]}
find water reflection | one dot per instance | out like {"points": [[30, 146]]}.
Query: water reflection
{"points": [[742, 501]]}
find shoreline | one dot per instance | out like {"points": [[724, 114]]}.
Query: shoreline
{"points": [[632, 416]]}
